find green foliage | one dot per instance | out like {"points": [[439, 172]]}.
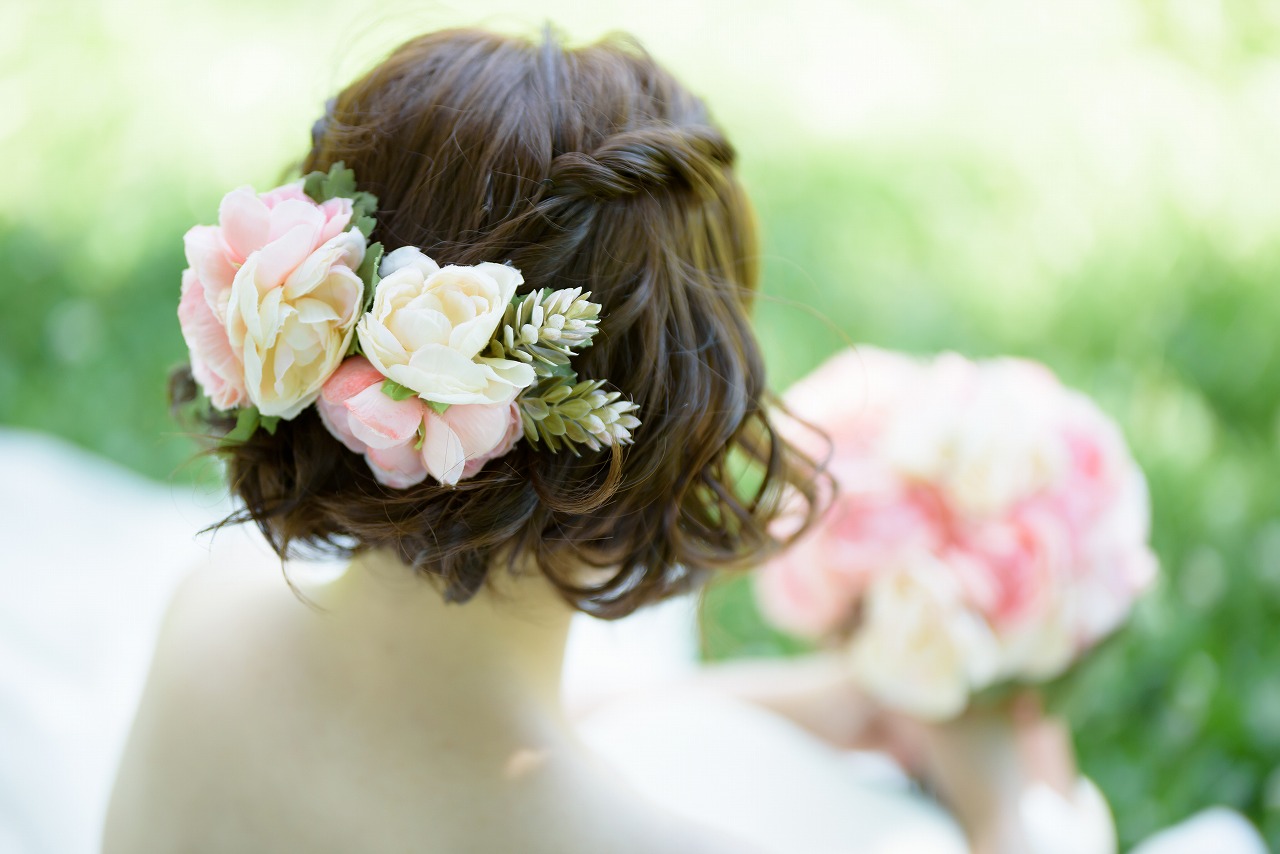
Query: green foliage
{"points": [[558, 411], [340, 183], [368, 272], [544, 329], [248, 420]]}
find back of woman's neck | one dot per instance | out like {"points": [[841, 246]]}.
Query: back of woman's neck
{"points": [[489, 667]]}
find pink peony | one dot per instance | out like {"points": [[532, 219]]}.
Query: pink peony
{"points": [[406, 440], [270, 298], [1016, 497]]}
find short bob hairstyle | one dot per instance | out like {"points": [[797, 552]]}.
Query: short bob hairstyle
{"points": [[590, 167]]}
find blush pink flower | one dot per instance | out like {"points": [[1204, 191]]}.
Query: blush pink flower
{"points": [[275, 345], [1012, 495], [404, 441]]}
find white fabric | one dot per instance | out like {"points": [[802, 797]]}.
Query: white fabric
{"points": [[90, 553], [747, 772], [1058, 825], [1214, 831]]}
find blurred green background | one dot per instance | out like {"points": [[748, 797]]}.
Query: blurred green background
{"points": [[1089, 183]]}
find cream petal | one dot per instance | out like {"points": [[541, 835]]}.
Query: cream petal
{"points": [[281, 361], [444, 375], [344, 251], [382, 348], [343, 291], [243, 322], [253, 375], [417, 329], [407, 257], [506, 278], [458, 307], [315, 311], [299, 336], [508, 373], [471, 337], [286, 405], [273, 313]]}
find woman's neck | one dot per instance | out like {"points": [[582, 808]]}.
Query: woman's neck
{"points": [[487, 672]]}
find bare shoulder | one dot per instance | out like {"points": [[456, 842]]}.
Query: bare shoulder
{"points": [[190, 720]]}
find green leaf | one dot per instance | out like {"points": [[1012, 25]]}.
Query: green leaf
{"points": [[422, 437], [363, 204], [366, 224], [339, 182], [368, 271], [342, 182], [440, 408], [313, 186], [270, 423], [247, 421], [395, 391]]}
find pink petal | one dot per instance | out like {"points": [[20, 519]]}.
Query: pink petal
{"points": [[243, 218], [479, 427], [295, 213], [381, 422], [280, 257], [442, 452], [337, 214], [207, 255], [337, 420], [213, 363], [398, 467], [352, 377], [504, 445], [294, 191]]}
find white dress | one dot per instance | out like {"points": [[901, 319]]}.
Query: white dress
{"points": [[80, 607]]}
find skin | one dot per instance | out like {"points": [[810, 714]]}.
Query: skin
{"points": [[379, 720], [373, 717]]}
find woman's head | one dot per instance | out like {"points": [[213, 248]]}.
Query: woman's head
{"points": [[588, 168]]}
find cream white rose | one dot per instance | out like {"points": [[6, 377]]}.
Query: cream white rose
{"points": [[429, 325], [291, 314], [920, 648]]}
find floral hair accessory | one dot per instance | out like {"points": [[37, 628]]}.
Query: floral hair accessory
{"points": [[427, 371]]}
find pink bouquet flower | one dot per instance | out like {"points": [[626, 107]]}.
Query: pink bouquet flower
{"points": [[989, 525]]}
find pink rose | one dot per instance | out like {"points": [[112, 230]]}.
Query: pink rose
{"points": [[290, 317], [406, 440]]}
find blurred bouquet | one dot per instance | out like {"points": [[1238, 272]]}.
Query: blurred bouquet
{"points": [[989, 525]]}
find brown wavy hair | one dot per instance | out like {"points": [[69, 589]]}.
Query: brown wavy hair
{"points": [[590, 167]]}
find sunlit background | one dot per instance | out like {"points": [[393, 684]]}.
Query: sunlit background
{"points": [[1089, 183]]}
